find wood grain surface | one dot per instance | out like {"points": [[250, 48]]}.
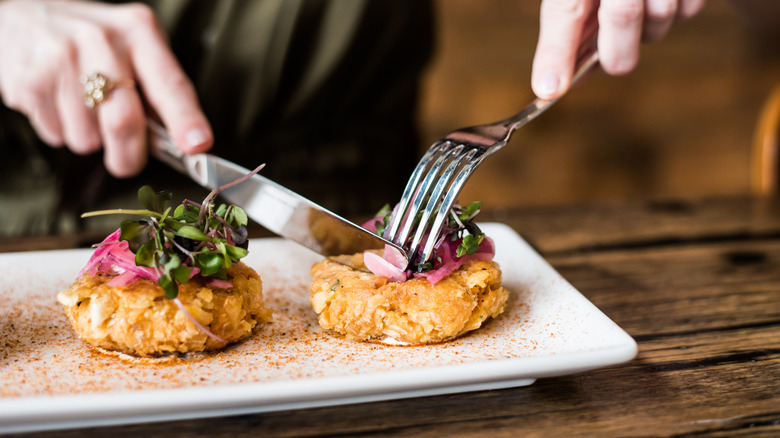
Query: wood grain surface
{"points": [[696, 283]]}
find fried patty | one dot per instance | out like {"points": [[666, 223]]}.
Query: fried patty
{"points": [[354, 302], [137, 318]]}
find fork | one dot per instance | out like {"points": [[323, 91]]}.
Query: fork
{"points": [[447, 165]]}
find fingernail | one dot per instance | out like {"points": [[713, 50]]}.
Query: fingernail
{"points": [[547, 83], [195, 137]]}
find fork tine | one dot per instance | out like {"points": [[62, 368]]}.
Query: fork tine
{"points": [[423, 193], [452, 193], [400, 216], [446, 156], [442, 193], [396, 218]]}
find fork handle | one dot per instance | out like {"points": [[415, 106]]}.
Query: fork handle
{"points": [[587, 57]]}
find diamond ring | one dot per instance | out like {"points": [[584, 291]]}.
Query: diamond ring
{"points": [[97, 88]]}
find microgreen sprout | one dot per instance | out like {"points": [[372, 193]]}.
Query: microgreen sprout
{"points": [[204, 239], [459, 226]]}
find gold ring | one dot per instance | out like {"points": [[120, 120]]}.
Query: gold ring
{"points": [[97, 88]]}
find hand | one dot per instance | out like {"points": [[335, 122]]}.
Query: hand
{"points": [[621, 26], [47, 46]]}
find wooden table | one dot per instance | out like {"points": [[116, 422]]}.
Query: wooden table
{"points": [[696, 283]]}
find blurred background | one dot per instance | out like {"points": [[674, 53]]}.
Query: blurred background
{"points": [[680, 125]]}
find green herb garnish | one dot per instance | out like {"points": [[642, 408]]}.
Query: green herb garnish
{"points": [[469, 244], [205, 236], [383, 217], [460, 226]]}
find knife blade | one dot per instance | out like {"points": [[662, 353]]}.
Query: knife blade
{"points": [[268, 203]]}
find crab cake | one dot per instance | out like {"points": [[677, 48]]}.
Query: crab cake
{"points": [[354, 302], [137, 318]]}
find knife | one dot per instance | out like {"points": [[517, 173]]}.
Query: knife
{"points": [[273, 206]]}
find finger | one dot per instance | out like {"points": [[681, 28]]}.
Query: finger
{"points": [[560, 29], [79, 126], [659, 16], [620, 32], [689, 8], [164, 84], [46, 122], [42, 71], [30, 93], [120, 117], [123, 127], [40, 111]]}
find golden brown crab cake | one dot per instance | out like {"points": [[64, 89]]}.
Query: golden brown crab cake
{"points": [[137, 318], [354, 302]]}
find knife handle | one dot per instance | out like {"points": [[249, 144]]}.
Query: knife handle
{"points": [[163, 148]]}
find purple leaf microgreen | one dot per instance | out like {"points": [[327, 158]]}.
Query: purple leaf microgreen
{"points": [[207, 202], [190, 254]]}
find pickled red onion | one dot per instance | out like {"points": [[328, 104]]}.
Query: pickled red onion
{"points": [[450, 261], [220, 284], [371, 224], [113, 257], [392, 265]]}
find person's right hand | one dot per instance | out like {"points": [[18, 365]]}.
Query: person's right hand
{"points": [[621, 24], [47, 46]]}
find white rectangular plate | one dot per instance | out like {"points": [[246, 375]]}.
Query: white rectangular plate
{"points": [[50, 379]]}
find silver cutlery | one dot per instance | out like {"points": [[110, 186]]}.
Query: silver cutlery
{"points": [[447, 165], [273, 206]]}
